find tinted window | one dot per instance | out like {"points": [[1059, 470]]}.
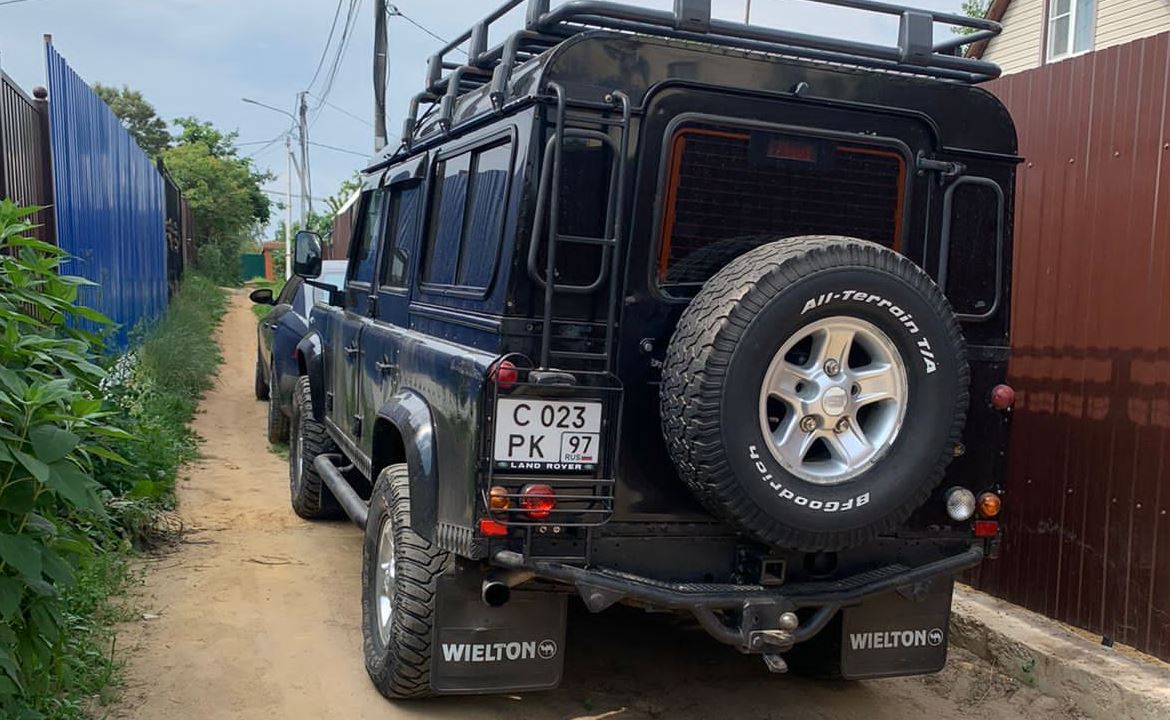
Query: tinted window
{"points": [[467, 217], [447, 219], [972, 258], [405, 218], [485, 216], [366, 243]]}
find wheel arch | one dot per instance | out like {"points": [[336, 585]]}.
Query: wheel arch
{"points": [[311, 364], [404, 433]]}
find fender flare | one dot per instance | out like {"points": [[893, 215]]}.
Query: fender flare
{"points": [[311, 364], [414, 444]]}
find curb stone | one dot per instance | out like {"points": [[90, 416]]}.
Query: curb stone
{"points": [[1099, 682]]}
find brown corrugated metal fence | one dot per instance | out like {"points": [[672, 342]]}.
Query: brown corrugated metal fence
{"points": [[1088, 532], [25, 175]]}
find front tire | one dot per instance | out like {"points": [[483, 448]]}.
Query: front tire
{"points": [[260, 385], [310, 497], [400, 572], [276, 421]]}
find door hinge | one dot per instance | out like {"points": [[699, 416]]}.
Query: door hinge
{"points": [[357, 426], [329, 402], [947, 168]]}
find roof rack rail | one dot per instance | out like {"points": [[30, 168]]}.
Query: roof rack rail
{"points": [[916, 52]]}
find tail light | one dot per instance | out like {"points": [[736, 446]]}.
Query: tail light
{"points": [[492, 528], [504, 375], [985, 528], [538, 501], [1003, 397]]}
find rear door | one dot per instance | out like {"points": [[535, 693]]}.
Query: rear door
{"points": [[359, 294], [381, 342]]}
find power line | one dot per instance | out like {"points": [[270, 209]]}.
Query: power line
{"points": [[340, 149], [342, 110], [11, 2], [394, 11], [328, 42]]}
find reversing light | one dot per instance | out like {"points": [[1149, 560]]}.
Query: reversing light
{"points": [[960, 504], [498, 500], [989, 504], [505, 375], [538, 500], [492, 528], [1003, 397]]}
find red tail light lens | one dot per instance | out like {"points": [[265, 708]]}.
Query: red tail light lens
{"points": [[505, 375], [985, 528], [492, 528], [1003, 397], [538, 501]]}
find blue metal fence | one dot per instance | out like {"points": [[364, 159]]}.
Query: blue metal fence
{"points": [[110, 204]]}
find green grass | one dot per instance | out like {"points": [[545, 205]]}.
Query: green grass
{"points": [[156, 395]]}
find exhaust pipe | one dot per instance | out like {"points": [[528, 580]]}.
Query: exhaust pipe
{"points": [[497, 586], [495, 593]]}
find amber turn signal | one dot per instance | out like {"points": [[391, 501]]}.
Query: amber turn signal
{"points": [[989, 504], [498, 500]]}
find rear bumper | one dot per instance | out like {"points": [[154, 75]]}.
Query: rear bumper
{"points": [[765, 612]]}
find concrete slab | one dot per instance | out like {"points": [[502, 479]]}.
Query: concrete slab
{"points": [[1101, 683]]}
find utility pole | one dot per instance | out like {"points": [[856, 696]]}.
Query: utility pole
{"points": [[306, 178], [380, 42], [288, 248], [747, 13]]}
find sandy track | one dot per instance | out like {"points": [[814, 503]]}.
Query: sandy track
{"points": [[256, 615]]}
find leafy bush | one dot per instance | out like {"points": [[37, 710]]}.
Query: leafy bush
{"points": [[52, 428], [88, 455]]}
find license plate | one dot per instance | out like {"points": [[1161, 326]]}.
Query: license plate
{"points": [[547, 434]]}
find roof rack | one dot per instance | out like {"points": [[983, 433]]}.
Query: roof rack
{"points": [[916, 52]]}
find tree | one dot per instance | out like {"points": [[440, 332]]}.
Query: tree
{"points": [[223, 191], [137, 116], [975, 9]]}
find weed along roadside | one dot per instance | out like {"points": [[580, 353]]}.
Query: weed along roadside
{"points": [[89, 448]]}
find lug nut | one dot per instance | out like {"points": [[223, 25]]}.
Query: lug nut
{"points": [[832, 367], [808, 423], [842, 425]]}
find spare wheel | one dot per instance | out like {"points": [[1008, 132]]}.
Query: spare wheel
{"points": [[814, 391]]}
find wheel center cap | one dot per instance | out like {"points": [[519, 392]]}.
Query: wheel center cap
{"points": [[834, 401]]}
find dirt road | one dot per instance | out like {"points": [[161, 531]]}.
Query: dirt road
{"points": [[256, 615]]}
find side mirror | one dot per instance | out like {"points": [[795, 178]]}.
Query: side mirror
{"points": [[262, 296], [307, 254]]}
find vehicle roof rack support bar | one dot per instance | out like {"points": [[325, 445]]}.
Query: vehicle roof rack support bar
{"points": [[916, 38], [960, 40], [692, 15], [479, 41], [536, 10]]}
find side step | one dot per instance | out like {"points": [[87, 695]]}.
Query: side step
{"points": [[347, 497]]}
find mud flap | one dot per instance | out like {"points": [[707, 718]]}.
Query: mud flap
{"points": [[902, 632], [479, 649]]}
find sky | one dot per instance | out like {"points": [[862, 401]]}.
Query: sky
{"points": [[200, 57]]}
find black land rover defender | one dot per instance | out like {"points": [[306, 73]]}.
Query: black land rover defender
{"points": [[661, 309]]}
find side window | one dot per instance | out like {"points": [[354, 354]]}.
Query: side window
{"points": [[467, 217], [972, 273], [401, 231], [446, 226], [485, 216], [365, 248]]}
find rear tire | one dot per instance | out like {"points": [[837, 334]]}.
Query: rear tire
{"points": [[310, 497], [260, 384], [276, 420], [400, 572]]}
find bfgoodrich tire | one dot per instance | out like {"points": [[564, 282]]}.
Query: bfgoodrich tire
{"points": [[310, 497], [814, 391], [399, 585]]}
